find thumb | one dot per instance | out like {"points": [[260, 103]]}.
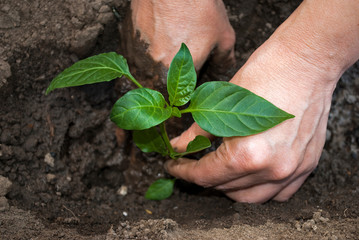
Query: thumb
{"points": [[180, 143]]}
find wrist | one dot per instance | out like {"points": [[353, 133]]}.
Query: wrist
{"points": [[323, 35]]}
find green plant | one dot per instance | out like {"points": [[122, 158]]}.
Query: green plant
{"points": [[221, 108]]}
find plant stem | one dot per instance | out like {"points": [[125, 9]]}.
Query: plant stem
{"points": [[166, 139], [129, 76], [185, 111]]}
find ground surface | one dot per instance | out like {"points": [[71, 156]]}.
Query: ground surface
{"points": [[60, 155]]}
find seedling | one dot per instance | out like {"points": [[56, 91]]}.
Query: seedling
{"points": [[220, 108]]}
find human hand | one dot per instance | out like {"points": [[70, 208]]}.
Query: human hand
{"points": [[297, 76], [202, 25], [275, 163]]}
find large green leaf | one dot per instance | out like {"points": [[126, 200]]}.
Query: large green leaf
{"points": [[140, 109], [225, 109], [160, 189], [181, 78], [100, 68], [149, 140]]}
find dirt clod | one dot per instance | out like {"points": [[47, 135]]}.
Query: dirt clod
{"points": [[5, 185], [49, 160], [163, 229], [8, 18], [4, 205], [85, 40], [5, 72]]}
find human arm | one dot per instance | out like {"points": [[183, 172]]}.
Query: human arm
{"points": [[297, 69]]}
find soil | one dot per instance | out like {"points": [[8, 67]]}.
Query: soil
{"points": [[65, 175]]}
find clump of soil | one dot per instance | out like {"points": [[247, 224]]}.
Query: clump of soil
{"points": [[68, 172]]}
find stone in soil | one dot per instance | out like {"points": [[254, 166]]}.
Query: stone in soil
{"points": [[5, 185], [5, 72]]}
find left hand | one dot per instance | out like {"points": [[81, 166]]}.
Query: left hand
{"points": [[202, 25]]}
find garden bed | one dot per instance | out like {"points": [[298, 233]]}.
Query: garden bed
{"points": [[73, 179]]}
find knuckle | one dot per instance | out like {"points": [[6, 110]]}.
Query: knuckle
{"points": [[308, 165], [228, 158], [257, 158], [284, 168], [229, 37]]}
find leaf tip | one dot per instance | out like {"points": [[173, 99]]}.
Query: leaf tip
{"points": [[176, 112], [288, 115], [48, 90]]}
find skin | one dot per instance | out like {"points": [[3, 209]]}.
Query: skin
{"points": [[164, 25], [296, 69]]}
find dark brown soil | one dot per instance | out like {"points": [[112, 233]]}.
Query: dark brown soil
{"points": [[61, 153]]}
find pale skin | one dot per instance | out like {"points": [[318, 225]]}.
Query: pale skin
{"points": [[297, 69]]}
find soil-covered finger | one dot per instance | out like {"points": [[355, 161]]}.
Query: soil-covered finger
{"points": [[149, 73]]}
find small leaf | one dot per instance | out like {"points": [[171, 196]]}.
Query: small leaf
{"points": [[198, 144], [149, 140], [100, 68], [181, 78], [225, 109], [140, 109], [176, 112], [160, 189]]}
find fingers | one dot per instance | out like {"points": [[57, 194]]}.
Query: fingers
{"points": [[289, 190], [223, 53], [256, 194], [226, 34], [244, 182], [233, 159], [222, 59], [207, 172], [180, 143], [164, 25], [279, 191]]}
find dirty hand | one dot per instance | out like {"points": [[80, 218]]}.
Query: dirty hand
{"points": [[297, 71], [202, 25]]}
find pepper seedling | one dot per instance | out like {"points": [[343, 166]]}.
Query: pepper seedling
{"points": [[220, 108]]}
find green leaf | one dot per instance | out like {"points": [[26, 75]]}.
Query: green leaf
{"points": [[140, 109], [100, 68], [176, 112], [160, 189], [198, 144], [225, 109], [181, 78], [149, 140]]}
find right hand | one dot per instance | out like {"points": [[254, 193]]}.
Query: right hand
{"points": [[272, 164], [297, 70], [202, 25]]}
